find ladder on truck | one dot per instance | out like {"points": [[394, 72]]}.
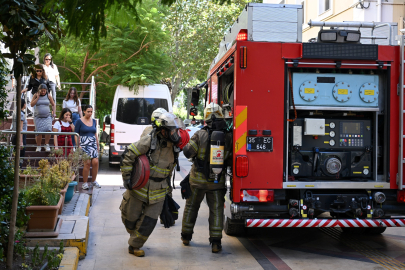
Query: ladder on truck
{"points": [[401, 89]]}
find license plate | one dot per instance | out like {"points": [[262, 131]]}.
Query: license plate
{"points": [[122, 147], [259, 144]]}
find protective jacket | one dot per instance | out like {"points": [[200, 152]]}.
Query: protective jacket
{"points": [[196, 149], [162, 163]]}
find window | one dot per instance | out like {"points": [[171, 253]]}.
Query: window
{"points": [[324, 5], [130, 110]]}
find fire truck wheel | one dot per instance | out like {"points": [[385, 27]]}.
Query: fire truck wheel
{"points": [[353, 230], [377, 230], [231, 228]]}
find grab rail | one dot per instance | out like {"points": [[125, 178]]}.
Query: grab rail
{"points": [[12, 132]]}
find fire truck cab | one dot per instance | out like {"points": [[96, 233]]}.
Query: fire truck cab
{"points": [[317, 126]]}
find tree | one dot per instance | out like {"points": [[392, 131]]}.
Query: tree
{"points": [[24, 23], [196, 29], [129, 56]]}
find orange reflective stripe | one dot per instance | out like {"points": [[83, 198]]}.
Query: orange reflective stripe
{"points": [[240, 130]]}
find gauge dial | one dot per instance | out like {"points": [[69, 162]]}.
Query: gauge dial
{"points": [[365, 171], [296, 171], [332, 134], [332, 142], [332, 125]]}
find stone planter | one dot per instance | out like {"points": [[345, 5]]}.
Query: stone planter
{"points": [[63, 194], [42, 217]]}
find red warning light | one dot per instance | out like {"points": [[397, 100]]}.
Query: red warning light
{"points": [[242, 35]]}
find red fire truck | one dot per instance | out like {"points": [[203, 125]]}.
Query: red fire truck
{"points": [[317, 126]]}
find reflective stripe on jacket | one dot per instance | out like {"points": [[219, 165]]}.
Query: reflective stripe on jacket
{"points": [[161, 162]]}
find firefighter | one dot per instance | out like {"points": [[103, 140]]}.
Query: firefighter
{"points": [[141, 208], [155, 117], [201, 185]]}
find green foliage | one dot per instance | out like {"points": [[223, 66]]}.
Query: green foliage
{"points": [[196, 29], [130, 55], [24, 23], [52, 257], [6, 191], [42, 193]]}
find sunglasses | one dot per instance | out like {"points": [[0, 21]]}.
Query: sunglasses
{"points": [[38, 71], [48, 59]]}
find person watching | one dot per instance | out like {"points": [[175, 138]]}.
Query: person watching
{"points": [[43, 116], [72, 102], [36, 80], [87, 129], [64, 124], [53, 74]]}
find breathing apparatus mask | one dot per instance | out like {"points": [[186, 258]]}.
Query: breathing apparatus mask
{"points": [[175, 129]]}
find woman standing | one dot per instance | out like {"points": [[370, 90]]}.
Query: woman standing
{"points": [[53, 74], [42, 115], [64, 124], [72, 102], [87, 129]]}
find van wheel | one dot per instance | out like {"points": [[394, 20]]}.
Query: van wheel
{"points": [[231, 228], [375, 230]]}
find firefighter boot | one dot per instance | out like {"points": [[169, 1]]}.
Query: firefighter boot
{"points": [[186, 238], [215, 244], [136, 251]]}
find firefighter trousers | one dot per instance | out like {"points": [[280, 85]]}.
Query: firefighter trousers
{"points": [[139, 218], [215, 201]]}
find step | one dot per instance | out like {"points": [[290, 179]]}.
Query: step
{"points": [[74, 232]]}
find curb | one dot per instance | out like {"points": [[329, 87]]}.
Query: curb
{"points": [[70, 259]]}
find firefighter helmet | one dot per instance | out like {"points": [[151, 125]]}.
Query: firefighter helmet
{"points": [[170, 121], [212, 109], [157, 113]]}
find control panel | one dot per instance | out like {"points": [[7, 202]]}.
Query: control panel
{"points": [[343, 151], [335, 90]]}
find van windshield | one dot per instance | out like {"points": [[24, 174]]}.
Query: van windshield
{"points": [[137, 111]]}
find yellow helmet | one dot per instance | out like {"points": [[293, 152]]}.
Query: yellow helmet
{"points": [[212, 108]]}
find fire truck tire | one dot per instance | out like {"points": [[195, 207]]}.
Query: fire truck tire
{"points": [[231, 228], [351, 230], [377, 230]]}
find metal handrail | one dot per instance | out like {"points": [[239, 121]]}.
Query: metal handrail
{"points": [[12, 132]]}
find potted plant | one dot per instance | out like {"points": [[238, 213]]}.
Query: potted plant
{"points": [[45, 201]]}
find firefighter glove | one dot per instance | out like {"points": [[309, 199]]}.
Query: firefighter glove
{"points": [[166, 215], [185, 187]]}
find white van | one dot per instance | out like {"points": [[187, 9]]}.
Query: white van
{"points": [[131, 114]]}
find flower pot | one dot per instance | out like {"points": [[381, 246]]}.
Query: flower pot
{"points": [[43, 217], [63, 194], [70, 191]]}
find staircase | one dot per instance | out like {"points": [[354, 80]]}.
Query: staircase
{"points": [[32, 157]]}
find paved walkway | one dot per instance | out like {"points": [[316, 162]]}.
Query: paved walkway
{"points": [[107, 247]]}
